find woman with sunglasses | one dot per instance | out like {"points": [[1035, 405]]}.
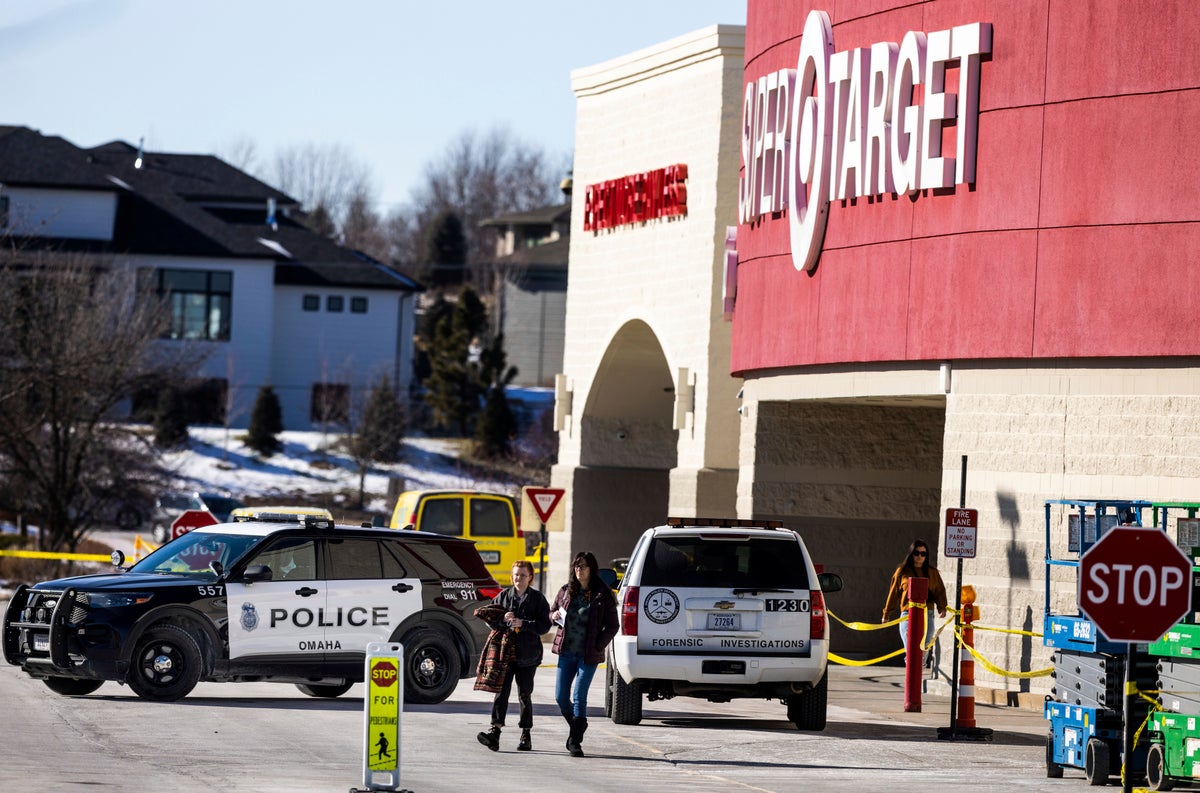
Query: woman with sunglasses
{"points": [[585, 611], [915, 565]]}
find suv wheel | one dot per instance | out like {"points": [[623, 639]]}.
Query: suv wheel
{"points": [[608, 687], [165, 665], [626, 701], [807, 709], [327, 691], [431, 666], [70, 687]]}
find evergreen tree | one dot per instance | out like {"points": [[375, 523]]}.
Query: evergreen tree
{"points": [[266, 422], [446, 248], [170, 420], [497, 425], [453, 388], [379, 436]]}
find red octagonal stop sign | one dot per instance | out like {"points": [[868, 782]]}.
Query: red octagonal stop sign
{"points": [[192, 519], [1135, 584]]}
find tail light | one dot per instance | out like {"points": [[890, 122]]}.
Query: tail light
{"points": [[629, 611], [817, 626], [489, 591]]}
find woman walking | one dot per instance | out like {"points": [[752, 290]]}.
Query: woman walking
{"points": [[915, 565], [586, 612]]}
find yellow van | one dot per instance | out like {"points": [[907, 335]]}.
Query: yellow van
{"points": [[490, 519]]}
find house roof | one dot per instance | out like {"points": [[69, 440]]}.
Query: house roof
{"points": [[558, 213], [192, 205]]}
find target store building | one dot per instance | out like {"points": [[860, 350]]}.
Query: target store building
{"points": [[912, 233]]}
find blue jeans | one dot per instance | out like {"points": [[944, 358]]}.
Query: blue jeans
{"points": [[572, 669]]}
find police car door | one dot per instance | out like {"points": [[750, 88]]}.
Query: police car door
{"points": [[279, 620], [370, 594]]}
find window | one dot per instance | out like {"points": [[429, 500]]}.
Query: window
{"points": [[353, 558], [443, 516], [200, 301], [358, 305], [312, 302], [490, 518], [334, 303], [330, 403], [291, 559]]}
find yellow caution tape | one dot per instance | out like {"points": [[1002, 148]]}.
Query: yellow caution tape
{"points": [[1015, 631], [988, 665], [77, 557], [837, 659], [865, 626]]}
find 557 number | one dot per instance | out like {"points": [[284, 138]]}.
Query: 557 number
{"points": [[211, 590]]}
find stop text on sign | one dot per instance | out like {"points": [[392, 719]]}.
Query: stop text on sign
{"points": [[1143, 584], [384, 673], [847, 124]]}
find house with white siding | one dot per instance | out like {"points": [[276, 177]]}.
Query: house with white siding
{"points": [[275, 303]]}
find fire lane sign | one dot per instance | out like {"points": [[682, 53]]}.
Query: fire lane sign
{"points": [[962, 526]]}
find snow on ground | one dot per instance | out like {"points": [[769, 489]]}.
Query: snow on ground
{"points": [[311, 465]]}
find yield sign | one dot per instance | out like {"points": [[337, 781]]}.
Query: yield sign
{"points": [[544, 500]]}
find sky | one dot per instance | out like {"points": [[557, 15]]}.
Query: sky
{"points": [[395, 82]]}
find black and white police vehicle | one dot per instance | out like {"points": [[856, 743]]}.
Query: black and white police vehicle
{"points": [[721, 609], [283, 598]]}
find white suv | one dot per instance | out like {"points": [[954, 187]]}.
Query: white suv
{"points": [[721, 609]]}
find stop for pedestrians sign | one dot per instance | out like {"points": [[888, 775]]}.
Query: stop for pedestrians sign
{"points": [[1134, 584]]}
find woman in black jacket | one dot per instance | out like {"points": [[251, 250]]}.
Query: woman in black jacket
{"points": [[586, 613], [520, 615]]}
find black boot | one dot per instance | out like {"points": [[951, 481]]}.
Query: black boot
{"points": [[526, 743], [491, 738], [575, 742], [570, 719]]}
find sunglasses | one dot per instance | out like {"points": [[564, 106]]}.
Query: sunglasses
{"points": [[920, 553]]}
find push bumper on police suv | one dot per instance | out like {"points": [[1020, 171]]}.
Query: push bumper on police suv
{"points": [[46, 633]]}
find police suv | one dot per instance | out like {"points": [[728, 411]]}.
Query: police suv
{"points": [[721, 609], [284, 598]]}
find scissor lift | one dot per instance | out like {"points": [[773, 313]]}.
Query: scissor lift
{"points": [[1086, 708]]}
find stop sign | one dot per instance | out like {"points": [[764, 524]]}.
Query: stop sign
{"points": [[384, 673], [192, 519], [1134, 584]]}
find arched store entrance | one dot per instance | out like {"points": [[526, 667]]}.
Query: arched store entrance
{"points": [[627, 446]]}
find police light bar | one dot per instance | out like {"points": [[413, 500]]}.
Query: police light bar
{"points": [[726, 523]]}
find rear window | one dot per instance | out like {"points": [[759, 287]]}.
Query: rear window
{"points": [[700, 562], [490, 517], [440, 560], [443, 516]]}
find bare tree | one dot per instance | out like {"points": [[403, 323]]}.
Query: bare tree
{"points": [[241, 153], [481, 176], [77, 340], [322, 176]]}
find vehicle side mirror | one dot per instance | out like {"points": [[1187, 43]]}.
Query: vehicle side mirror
{"points": [[830, 582], [608, 576], [118, 559], [256, 572], [217, 568]]}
